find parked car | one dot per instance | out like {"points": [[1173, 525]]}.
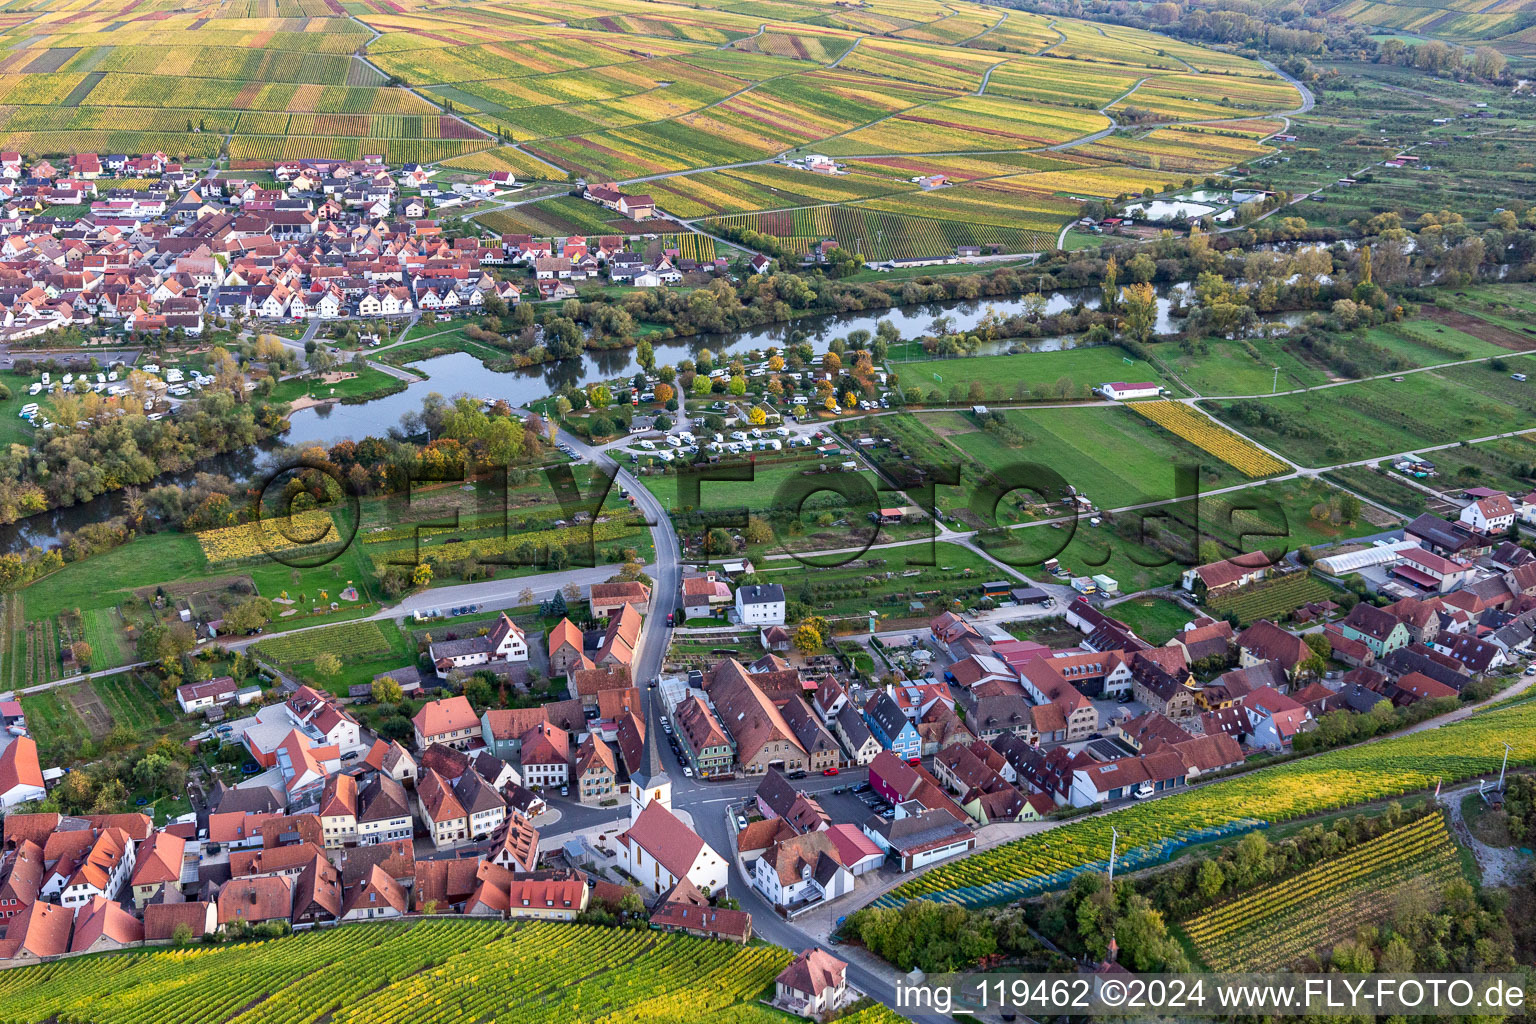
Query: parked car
{"points": [[829, 771], [741, 822]]}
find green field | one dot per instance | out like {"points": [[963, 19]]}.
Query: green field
{"points": [[1239, 367], [368, 383], [856, 588], [1155, 619], [1111, 455], [1382, 487], [1383, 417], [1026, 375], [364, 649]]}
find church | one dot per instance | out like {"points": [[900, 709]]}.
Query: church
{"points": [[659, 850]]}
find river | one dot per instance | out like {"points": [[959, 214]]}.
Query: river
{"points": [[457, 373]]}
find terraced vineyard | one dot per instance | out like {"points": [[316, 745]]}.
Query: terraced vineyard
{"points": [[1272, 927], [1150, 832], [424, 972]]}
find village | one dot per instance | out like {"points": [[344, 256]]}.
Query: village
{"points": [[780, 791]]}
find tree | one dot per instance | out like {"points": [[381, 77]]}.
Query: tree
{"points": [[250, 614], [807, 639], [421, 576], [181, 935], [645, 355], [1140, 316], [702, 385], [479, 692], [386, 691], [756, 416], [664, 392], [1210, 880], [82, 654], [327, 665], [720, 542], [631, 905]]}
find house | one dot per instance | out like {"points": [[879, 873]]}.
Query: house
{"points": [[762, 737], [24, 880], [891, 728], [195, 697], [1274, 719], [450, 721], [1226, 574], [605, 599], [158, 866], [821, 749], [104, 869], [801, 869], [1430, 572], [1265, 641], [1122, 392], [21, 777], [853, 732], [317, 893], [251, 901], [916, 840], [760, 604], [709, 748], [103, 925], [565, 649], [377, 897], [384, 812], [505, 642], [1416, 686], [685, 909], [596, 772], [1492, 514], [537, 895], [1375, 627], [338, 810], [814, 985], [161, 920], [440, 810], [704, 595], [41, 932], [390, 758]]}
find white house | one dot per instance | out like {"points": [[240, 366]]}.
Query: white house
{"points": [[103, 870], [1492, 514], [1119, 391], [814, 985], [194, 697], [506, 642], [21, 777], [760, 604], [803, 868]]}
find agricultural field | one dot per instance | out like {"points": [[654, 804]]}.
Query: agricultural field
{"points": [[1150, 833], [1023, 375], [626, 91], [1238, 452], [1374, 418], [425, 972], [1274, 926], [1272, 599], [364, 649]]}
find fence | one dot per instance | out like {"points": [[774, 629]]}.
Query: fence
{"points": [[1131, 860]]}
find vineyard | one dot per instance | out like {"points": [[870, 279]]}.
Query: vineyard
{"points": [[1271, 928], [881, 236], [270, 535], [699, 248], [348, 641], [1203, 432], [422, 972], [1149, 832], [1270, 599]]}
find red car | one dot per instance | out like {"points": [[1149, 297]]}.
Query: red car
{"points": [[830, 771]]}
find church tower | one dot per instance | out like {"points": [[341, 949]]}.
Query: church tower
{"points": [[651, 781]]}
